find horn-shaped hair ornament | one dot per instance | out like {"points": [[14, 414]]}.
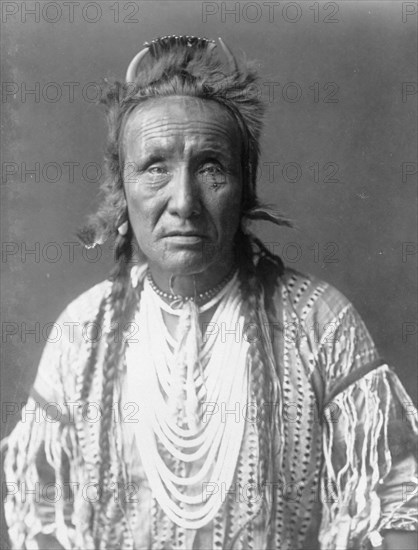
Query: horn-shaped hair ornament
{"points": [[232, 62], [133, 65], [164, 43]]}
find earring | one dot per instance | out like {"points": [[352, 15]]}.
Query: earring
{"points": [[123, 228]]}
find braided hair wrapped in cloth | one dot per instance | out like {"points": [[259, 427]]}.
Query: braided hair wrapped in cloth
{"points": [[207, 396]]}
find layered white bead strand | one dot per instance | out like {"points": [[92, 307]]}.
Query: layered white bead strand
{"points": [[206, 440]]}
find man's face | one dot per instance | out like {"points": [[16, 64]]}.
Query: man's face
{"points": [[182, 180]]}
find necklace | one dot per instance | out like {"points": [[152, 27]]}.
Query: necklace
{"points": [[177, 301], [207, 450]]}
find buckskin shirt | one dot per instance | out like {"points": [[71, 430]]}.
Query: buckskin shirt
{"points": [[346, 471]]}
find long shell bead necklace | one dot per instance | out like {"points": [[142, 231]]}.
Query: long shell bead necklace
{"points": [[181, 385]]}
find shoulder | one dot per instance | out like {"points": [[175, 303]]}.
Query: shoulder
{"points": [[69, 348], [309, 296], [85, 307], [322, 312], [338, 337], [76, 325]]}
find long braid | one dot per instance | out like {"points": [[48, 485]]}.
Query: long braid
{"points": [[263, 374], [122, 301], [84, 384], [270, 268], [123, 255], [91, 362]]}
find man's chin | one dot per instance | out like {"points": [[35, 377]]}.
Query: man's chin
{"points": [[185, 262]]}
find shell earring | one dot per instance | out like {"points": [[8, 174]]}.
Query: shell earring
{"points": [[123, 228]]}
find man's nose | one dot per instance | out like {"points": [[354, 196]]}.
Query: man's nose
{"points": [[185, 198]]}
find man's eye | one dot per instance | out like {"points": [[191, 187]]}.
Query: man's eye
{"points": [[157, 170], [156, 173], [212, 173]]}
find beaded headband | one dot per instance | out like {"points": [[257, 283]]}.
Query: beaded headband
{"points": [[163, 44]]}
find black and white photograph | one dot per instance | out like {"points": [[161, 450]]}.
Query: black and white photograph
{"points": [[209, 275]]}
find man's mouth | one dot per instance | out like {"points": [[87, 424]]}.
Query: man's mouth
{"points": [[185, 237], [184, 234]]}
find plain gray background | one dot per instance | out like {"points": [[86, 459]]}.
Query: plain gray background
{"points": [[355, 232]]}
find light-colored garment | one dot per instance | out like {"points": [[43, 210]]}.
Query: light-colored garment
{"points": [[346, 471]]}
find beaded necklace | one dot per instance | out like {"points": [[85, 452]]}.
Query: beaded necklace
{"points": [[177, 301], [172, 382]]}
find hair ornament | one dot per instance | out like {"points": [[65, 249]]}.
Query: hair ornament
{"points": [[163, 44], [133, 65], [232, 62]]}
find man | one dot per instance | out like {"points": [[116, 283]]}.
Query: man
{"points": [[223, 419]]}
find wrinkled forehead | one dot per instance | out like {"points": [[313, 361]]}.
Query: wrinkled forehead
{"points": [[175, 118]]}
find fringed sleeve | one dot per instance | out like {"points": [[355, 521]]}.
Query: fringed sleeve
{"points": [[41, 465], [369, 478]]}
